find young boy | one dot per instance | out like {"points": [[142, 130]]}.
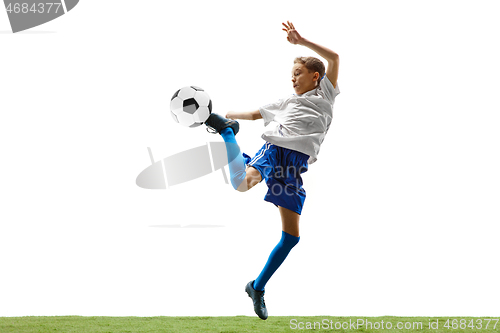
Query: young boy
{"points": [[303, 121]]}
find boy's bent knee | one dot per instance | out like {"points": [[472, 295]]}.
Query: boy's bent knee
{"points": [[237, 179], [245, 185], [252, 178]]}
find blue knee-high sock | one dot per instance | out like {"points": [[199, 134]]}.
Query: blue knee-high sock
{"points": [[236, 162], [275, 260]]}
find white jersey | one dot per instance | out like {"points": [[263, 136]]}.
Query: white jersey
{"points": [[303, 120]]}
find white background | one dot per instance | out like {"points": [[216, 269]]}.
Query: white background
{"points": [[402, 214]]}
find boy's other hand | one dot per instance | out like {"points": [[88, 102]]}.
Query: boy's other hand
{"points": [[292, 35]]}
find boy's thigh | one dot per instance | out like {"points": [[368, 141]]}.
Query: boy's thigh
{"points": [[286, 193], [285, 184]]}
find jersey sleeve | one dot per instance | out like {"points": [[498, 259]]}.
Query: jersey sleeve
{"points": [[327, 88], [269, 111]]}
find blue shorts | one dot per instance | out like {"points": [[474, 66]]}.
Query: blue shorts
{"points": [[281, 168]]}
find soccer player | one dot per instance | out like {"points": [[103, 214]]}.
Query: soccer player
{"points": [[303, 120]]}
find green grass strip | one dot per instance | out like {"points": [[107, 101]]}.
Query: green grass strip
{"points": [[76, 324]]}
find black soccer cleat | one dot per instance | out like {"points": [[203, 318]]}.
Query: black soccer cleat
{"points": [[258, 300], [217, 123]]}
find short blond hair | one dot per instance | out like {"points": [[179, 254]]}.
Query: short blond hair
{"points": [[312, 64]]}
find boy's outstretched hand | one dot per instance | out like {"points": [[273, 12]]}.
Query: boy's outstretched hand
{"points": [[332, 71], [293, 36]]}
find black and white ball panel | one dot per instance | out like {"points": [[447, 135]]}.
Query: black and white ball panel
{"points": [[190, 105]]}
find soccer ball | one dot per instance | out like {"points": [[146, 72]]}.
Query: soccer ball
{"points": [[190, 106]]}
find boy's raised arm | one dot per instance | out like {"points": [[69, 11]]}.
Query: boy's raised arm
{"points": [[332, 70], [251, 115]]}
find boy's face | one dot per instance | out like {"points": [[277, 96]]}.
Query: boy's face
{"points": [[302, 79]]}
